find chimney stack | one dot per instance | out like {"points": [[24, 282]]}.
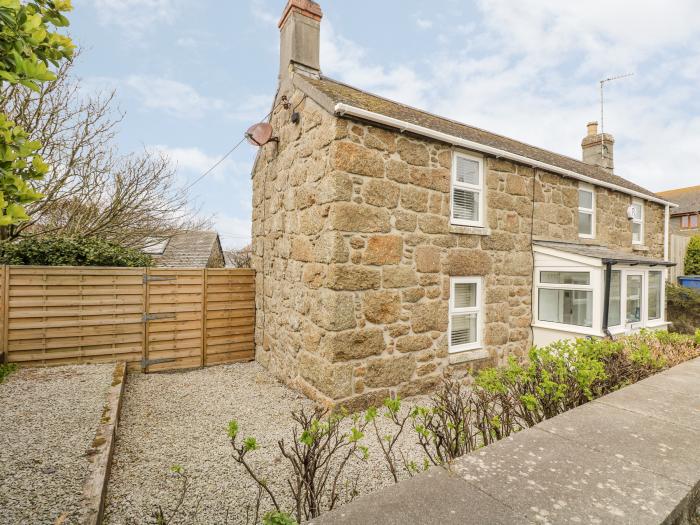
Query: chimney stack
{"points": [[598, 148], [300, 36]]}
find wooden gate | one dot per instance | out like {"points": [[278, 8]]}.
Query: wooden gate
{"points": [[155, 319]]}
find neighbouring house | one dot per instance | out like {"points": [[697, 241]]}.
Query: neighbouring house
{"points": [[391, 244], [684, 218], [187, 249]]}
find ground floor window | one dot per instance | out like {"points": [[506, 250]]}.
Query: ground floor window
{"points": [[640, 292], [465, 313], [565, 298]]}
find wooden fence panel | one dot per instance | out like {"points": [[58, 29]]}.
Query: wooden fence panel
{"points": [[59, 315], [679, 245], [158, 318], [230, 316]]}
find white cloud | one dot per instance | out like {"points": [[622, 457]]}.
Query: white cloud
{"points": [[192, 162], [343, 59], [530, 70], [423, 23], [173, 97], [234, 232], [136, 17], [261, 12]]}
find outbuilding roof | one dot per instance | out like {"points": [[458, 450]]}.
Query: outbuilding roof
{"points": [[606, 255], [188, 249], [333, 92], [688, 199]]}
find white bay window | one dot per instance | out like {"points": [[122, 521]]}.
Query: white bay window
{"points": [[565, 297]]}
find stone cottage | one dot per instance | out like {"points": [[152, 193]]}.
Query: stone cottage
{"points": [[391, 244]]}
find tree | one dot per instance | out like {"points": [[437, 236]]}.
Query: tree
{"points": [[692, 256], [91, 189], [239, 258], [27, 48]]}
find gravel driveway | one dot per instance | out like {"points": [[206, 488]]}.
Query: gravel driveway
{"points": [[48, 419], [181, 419]]}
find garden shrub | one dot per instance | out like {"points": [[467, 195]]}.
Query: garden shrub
{"points": [[71, 251], [683, 308], [459, 419], [692, 256]]}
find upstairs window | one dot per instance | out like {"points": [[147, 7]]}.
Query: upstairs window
{"points": [[689, 222], [637, 221], [586, 211], [467, 190], [465, 313]]}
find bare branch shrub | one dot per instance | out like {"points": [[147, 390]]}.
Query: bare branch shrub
{"points": [[316, 456], [91, 190]]}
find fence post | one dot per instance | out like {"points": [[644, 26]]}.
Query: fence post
{"points": [[5, 353], [204, 317], [144, 351]]}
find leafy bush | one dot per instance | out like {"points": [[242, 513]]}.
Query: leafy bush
{"points": [[71, 251], [6, 370], [692, 256], [683, 308]]}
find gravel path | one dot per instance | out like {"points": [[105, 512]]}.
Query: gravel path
{"points": [[181, 419], [48, 419]]}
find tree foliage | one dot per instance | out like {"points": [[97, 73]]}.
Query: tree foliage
{"points": [[28, 47], [692, 256], [71, 251], [91, 189]]}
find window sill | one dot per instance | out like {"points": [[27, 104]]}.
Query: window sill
{"points": [[466, 356], [572, 329], [640, 248], [469, 230]]}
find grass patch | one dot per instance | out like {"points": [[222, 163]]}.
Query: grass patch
{"points": [[6, 370]]}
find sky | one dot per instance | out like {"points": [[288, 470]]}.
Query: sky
{"points": [[193, 75]]}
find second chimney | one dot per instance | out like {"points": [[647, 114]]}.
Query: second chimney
{"points": [[598, 148], [300, 36]]}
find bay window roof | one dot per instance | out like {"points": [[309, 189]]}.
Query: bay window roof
{"points": [[605, 255]]}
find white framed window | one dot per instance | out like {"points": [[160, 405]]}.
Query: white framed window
{"points": [[615, 304], [466, 313], [468, 194], [637, 209], [586, 211], [654, 295], [565, 297]]}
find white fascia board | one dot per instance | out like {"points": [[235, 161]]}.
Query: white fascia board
{"points": [[580, 259], [342, 109]]}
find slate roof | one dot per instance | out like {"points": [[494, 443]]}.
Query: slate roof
{"points": [[688, 199], [188, 249], [338, 92], [603, 253]]}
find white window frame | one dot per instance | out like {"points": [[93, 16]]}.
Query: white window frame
{"points": [[578, 287], [588, 211], [662, 291], [639, 221], [623, 298], [644, 322], [478, 309], [478, 188]]}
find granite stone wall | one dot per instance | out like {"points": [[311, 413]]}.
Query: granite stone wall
{"points": [[354, 252]]}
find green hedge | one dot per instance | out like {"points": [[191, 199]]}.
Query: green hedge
{"points": [[683, 308], [71, 251]]}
